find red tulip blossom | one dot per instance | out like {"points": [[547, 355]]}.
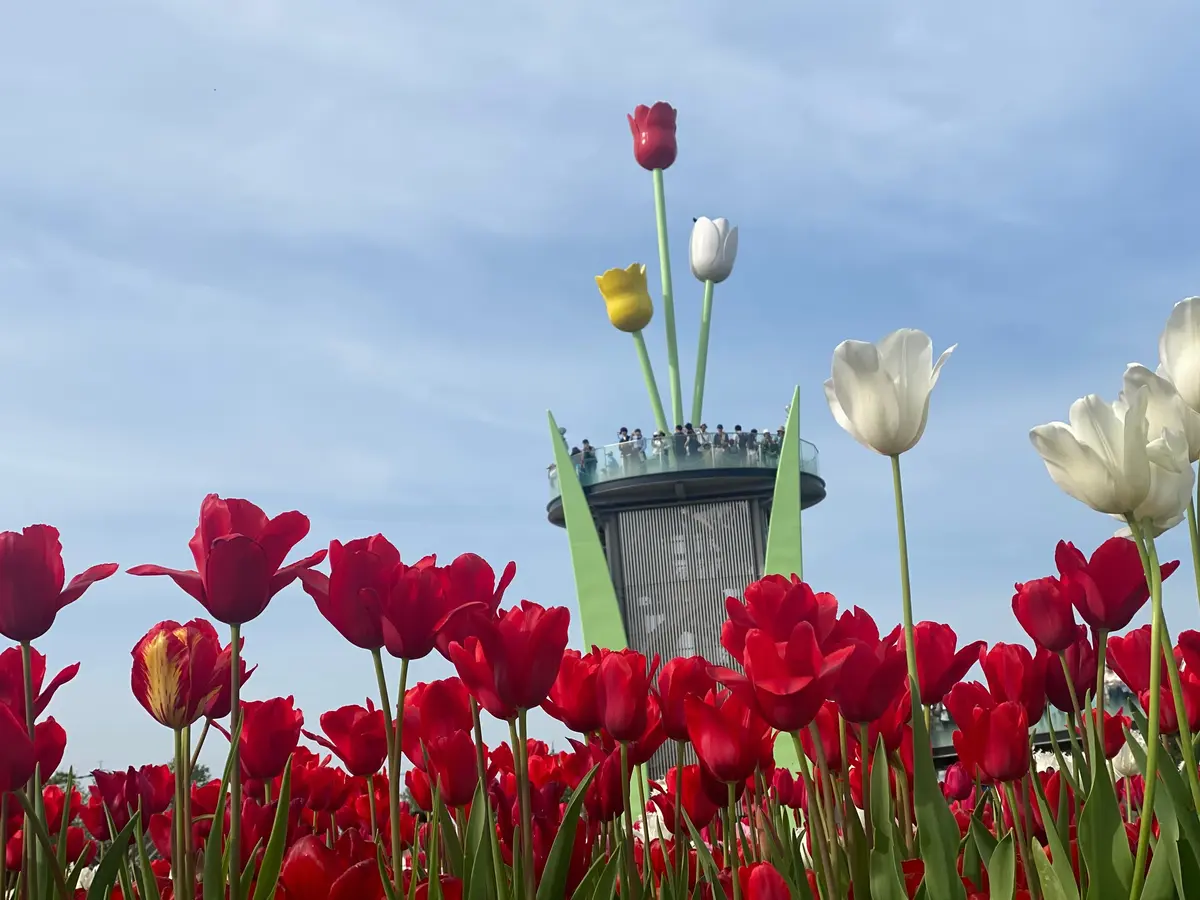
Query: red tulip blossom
{"points": [[964, 698], [605, 798], [473, 598], [653, 129], [351, 596], [623, 692], [452, 767], [826, 721], [696, 804], [356, 736], [725, 731], [762, 881], [1043, 607], [31, 582], [49, 744], [17, 756], [12, 681], [239, 555], [1113, 728], [938, 665], [175, 672], [776, 605], [270, 732], [434, 710], [1080, 661], [572, 698], [995, 741], [680, 678], [871, 677], [1013, 673], [1168, 718], [116, 796], [957, 785], [313, 871], [414, 609], [787, 680], [515, 660], [1129, 657], [1188, 649], [221, 705], [1109, 588]]}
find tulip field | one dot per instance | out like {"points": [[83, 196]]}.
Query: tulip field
{"points": [[402, 798]]}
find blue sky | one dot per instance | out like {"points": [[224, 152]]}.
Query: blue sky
{"points": [[339, 258]]}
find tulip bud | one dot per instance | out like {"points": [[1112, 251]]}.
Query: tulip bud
{"points": [[653, 129], [714, 249], [626, 297]]}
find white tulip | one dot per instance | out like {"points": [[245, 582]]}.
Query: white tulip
{"points": [[1124, 763], [1171, 482], [1100, 457], [713, 250], [1179, 350], [879, 393], [1166, 410]]}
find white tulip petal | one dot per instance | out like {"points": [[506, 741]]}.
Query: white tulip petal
{"points": [[1098, 425], [907, 355], [1135, 471], [937, 366], [867, 396], [1077, 468], [839, 414], [1179, 349]]}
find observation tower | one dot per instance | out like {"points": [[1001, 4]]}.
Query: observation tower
{"points": [[663, 531]]}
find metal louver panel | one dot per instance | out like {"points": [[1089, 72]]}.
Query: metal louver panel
{"points": [[678, 564]]}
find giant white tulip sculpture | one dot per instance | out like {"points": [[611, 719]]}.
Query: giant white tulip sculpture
{"points": [[1131, 460], [879, 393], [712, 253]]}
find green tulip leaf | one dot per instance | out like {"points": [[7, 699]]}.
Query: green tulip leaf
{"points": [[1002, 869], [214, 866], [1103, 844], [477, 867], [272, 861], [937, 830], [43, 840], [109, 867], [606, 879], [1062, 859], [1053, 887]]}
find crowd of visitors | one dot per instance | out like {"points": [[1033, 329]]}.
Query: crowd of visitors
{"points": [[687, 447]]}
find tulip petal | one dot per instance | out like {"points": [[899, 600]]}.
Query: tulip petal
{"points": [[867, 395], [1077, 469], [85, 580], [187, 579], [1177, 349], [288, 574]]}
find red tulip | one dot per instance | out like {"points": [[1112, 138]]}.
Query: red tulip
{"points": [[605, 798], [312, 871], [776, 605], [239, 556], [826, 721], [12, 681], [680, 678], [787, 680], [1109, 588], [270, 732], [1014, 674], [725, 731], [515, 660], [432, 711], [996, 741], [31, 582], [1113, 727], [699, 809], [1129, 657], [623, 693], [49, 745], [221, 704], [870, 679], [175, 671], [1081, 664], [572, 698], [938, 665], [957, 784], [356, 736], [1043, 607], [17, 755], [473, 598], [763, 882], [963, 699], [653, 129], [1189, 649], [414, 608], [351, 596], [1167, 714], [452, 766]]}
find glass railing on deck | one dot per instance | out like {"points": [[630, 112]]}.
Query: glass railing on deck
{"points": [[628, 459]]}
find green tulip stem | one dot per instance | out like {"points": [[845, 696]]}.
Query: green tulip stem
{"points": [[481, 770], [1150, 564], [179, 821], [195, 758], [235, 770], [668, 296], [1194, 533], [631, 872], [1100, 636], [32, 788], [393, 759], [1019, 828], [864, 737], [681, 833], [660, 417], [1075, 708], [734, 829], [702, 352], [910, 645], [815, 820], [517, 735], [1152, 739]]}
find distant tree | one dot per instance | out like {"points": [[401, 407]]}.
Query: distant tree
{"points": [[201, 774]]}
